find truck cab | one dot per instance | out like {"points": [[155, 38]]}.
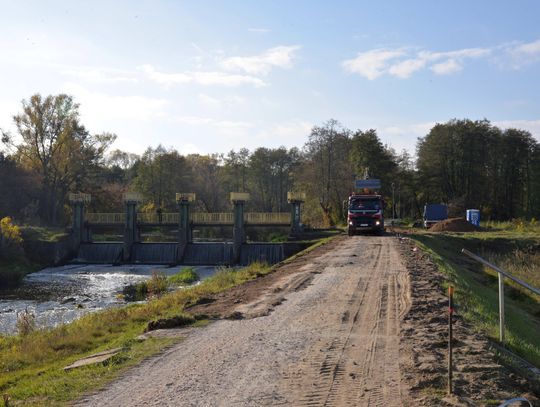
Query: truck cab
{"points": [[365, 214]]}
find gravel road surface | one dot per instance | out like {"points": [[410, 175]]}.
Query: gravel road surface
{"points": [[327, 335]]}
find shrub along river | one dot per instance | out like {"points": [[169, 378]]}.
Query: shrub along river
{"points": [[59, 295]]}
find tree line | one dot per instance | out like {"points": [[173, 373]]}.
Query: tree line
{"points": [[463, 163]]}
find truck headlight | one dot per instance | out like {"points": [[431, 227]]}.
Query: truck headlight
{"points": [[351, 222], [377, 222]]}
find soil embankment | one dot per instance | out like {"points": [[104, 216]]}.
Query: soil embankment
{"points": [[454, 225]]}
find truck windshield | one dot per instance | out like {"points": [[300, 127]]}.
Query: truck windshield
{"points": [[370, 205]]}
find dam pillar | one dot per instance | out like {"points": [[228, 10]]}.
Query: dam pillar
{"points": [[131, 230], [80, 232], [185, 233], [239, 232], [296, 199]]}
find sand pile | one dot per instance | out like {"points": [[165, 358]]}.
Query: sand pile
{"points": [[454, 225]]}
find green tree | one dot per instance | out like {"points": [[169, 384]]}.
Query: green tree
{"points": [[473, 164], [512, 180], [454, 162], [369, 155]]}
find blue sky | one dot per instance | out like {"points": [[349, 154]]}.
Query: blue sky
{"points": [[211, 76]]}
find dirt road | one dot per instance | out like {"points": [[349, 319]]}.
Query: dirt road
{"points": [[331, 338]]}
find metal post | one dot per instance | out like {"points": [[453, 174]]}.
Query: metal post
{"points": [[501, 308], [393, 203], [450, 336], [501, 274]]}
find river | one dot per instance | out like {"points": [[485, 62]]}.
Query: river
{"points": [[59, 295]]}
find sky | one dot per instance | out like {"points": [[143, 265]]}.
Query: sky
{"points": [[212, 76]]}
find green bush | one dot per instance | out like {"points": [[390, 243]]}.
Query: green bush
{"points": [[26, 323], [157, 284], [154, 287], [185, 276]]}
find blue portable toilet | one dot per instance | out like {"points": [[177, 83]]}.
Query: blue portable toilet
{"points": [[473, 216]]}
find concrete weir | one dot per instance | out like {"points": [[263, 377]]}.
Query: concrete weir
{"points": [[196, 254], [184, 251], [100, 253]]}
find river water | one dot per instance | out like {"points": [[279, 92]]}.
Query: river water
{"points": [[59, 295]]}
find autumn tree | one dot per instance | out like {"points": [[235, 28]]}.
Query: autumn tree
{"points": [[327, 173], [160, 174], [57, 148], [207, 182], [235, 170], [271, 177], [18, 189]]}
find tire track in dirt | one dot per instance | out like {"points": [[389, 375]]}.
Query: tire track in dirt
{"points": [[359, 365]]}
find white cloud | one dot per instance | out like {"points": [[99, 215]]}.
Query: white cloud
{"points": [[402, 62], [259, 30], [404, 136], [519, 55], [8, 109], [189, 148], [531, 48], [213, 102], [210, 121], [99, 75], [447, 67], [372, 64], [262, 64], [290, 133], [406, 68], [461, 53], [97, 106], [533, 126], [192, 120], [201, 78], [412, 131]]}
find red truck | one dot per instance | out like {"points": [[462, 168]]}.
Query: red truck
{"points": [[365, 209]]}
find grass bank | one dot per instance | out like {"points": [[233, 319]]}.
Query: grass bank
{"points": [[31, 366], [477, 287]]}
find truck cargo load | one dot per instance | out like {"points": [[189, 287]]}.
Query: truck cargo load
{"points": [[365, 208], [434, 213]]}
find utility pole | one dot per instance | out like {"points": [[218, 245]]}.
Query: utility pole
{"points": [[393, 203]]}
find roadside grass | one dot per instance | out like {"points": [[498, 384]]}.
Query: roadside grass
{"points": [[477, 288], [515, 227], [31, 365]]}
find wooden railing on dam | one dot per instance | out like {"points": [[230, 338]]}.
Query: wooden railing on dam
{"points": [[197, 218]]}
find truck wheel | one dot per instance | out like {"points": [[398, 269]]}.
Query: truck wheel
{"points": [[350, 232]]}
